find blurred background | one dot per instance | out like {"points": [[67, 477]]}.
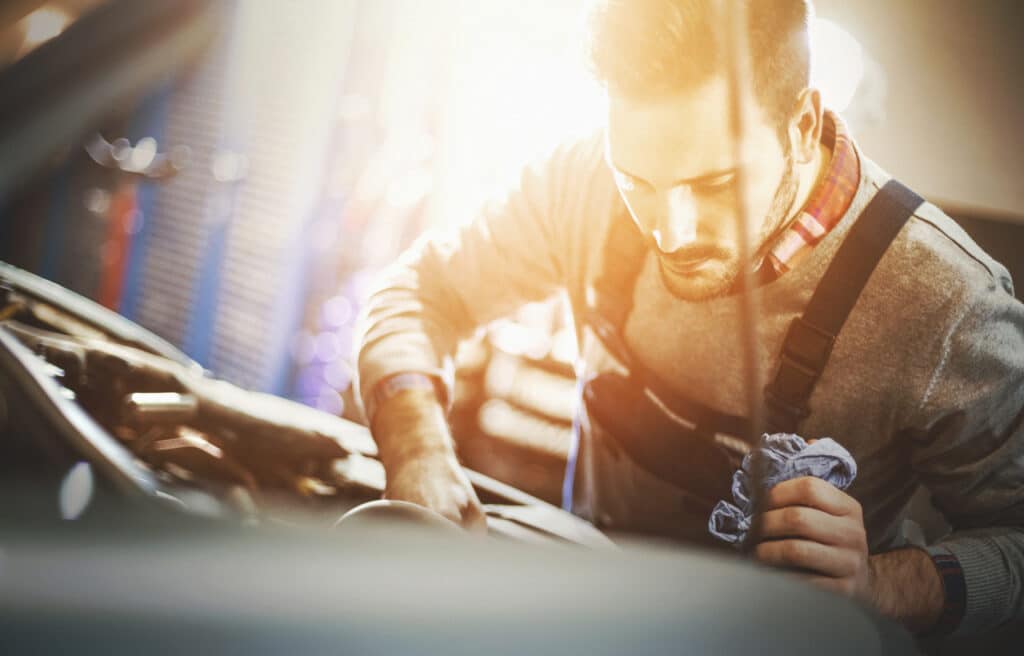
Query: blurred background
{"points": [[240, 206]]}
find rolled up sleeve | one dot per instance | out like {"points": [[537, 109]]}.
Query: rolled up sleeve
{"points": [[448, 284]]}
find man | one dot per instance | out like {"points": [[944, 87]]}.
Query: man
{"points": [[924, 384]]}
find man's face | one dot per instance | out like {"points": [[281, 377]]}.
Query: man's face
{"points": [[672, 158]]}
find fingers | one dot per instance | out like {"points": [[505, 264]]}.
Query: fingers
{"points": [[811, 526], [454, 502], [471, 514], [808, 556], [813, 493], [474, 520], [449, 511], [802, 522], [440, 485]]}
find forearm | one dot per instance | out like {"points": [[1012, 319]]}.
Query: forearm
{"points": [[522, 247], [411, 425], [419, 458], [906, 586]]}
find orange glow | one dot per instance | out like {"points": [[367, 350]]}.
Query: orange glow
{"points": [[519, 87], [838, 64]]}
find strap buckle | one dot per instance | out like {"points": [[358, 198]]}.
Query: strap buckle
{"points": [[807, 346], [805, 352]]}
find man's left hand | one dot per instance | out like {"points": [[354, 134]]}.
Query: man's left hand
{"points": [[815, 528]]}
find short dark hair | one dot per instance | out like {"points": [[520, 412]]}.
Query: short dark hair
{"points": [[650, 47]]}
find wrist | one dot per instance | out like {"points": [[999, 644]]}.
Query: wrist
{"points": [[395, 384], [906, 586], [954, 591]]}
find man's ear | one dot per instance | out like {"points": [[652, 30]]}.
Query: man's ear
{"points": [[805, 125]]}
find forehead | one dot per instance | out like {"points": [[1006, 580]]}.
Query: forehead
{"points": [[673, 136]]}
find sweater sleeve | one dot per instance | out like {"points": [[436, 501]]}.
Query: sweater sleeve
{"points": [[515, 251], [970, 453]]}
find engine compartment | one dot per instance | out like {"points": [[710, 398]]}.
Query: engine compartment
{"points": [[257, 451], [215, 448]]}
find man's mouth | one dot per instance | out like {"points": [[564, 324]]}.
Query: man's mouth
{"points": [[691, 259], [686, 266]]}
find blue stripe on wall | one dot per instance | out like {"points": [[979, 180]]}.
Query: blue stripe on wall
{"points": [[220, 210], [205, 296], [150, 120]]}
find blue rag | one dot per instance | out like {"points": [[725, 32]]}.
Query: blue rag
{"points": [[786, 456]]}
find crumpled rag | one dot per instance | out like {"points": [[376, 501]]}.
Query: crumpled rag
{"points": [[786, 456]]}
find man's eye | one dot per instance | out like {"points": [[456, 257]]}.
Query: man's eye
{"points": [[625, 182], [628, 183], [719, 184]]}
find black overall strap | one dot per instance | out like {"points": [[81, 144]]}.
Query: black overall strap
{"points": [[809, 340]]}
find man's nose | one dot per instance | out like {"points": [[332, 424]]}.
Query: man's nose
{"points": [[677, 221]]}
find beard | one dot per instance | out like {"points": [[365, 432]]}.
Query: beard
{"points": [[719, 275]]}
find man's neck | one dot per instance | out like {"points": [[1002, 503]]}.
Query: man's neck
{"points": [[810, 176]]}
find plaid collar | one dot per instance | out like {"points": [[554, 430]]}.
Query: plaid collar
{"points": [[827, 204]]}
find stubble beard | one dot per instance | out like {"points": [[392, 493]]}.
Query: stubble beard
{"points": [[720, 276]]}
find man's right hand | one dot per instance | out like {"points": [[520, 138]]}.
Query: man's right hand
{"points": [[416, 448], [437, 482]]}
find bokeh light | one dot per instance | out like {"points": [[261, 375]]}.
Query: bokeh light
{"points": [[42, 25]]}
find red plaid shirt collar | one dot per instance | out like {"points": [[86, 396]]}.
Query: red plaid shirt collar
{"points": [[827, 204]]}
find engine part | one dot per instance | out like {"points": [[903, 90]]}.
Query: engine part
{"points": [[160, 407]]}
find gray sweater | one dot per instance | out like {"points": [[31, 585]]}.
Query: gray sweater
{"points": [[925, 385]]}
